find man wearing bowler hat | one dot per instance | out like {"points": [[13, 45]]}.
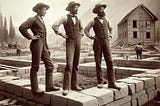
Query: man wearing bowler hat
{"points": [[103, 32], [73, 35], [39, 48]]}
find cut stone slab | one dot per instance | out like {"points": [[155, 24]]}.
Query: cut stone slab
{"points": [[134, 102], [119, 93], [73, 99], [120, 101], [148, 82], [15, 86], [42, 99], [142, 99], [140, 93], [103, 95], [138, 84]]}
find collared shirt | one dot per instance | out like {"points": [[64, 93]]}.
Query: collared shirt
{"points": [[63, 20], [91, 24], [40, 19]]}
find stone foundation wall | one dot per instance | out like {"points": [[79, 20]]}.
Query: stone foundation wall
{"points": [[136, 90]]}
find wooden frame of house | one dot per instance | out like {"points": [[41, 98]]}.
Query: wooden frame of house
{"points": [[138, 26]]}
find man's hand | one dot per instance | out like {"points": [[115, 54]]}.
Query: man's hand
{"points": [[63, 35], [110, 37], [35, 37], [92, 37]]}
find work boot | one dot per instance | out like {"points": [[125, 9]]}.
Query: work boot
{"points": [[49, 83], [111, 79], [34, 83], [100, 85], [114, 86], [76, 88], [65, 92]]}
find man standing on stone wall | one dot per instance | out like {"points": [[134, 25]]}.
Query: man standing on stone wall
{"points": [[39, 48], [103, 32], [74, 32]]}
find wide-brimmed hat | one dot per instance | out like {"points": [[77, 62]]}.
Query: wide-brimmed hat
{"points": [[40, 5], [71, 4], [97, 7]]}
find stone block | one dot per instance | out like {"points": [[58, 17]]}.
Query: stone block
{"points": [[2, 87], [42, 99], [2, 93], [15, 86], [2, 97], [73, 99], [131, 88], [31, 103], [119, 93], [140, 93], [150, 75], [148, 82], [9, 95], [142, 99], [103, 95], [22, 100], [8, 78], [151, 95], [138, 84], [126, 104], [119, 102], [150, 89], [5, 72], [134, 102]]}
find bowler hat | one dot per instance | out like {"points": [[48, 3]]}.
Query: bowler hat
{"points": [[97, 7], [40, 5], [71, 4]]}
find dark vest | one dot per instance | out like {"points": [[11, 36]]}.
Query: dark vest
{"points": [[101, 30], [71, 29]]}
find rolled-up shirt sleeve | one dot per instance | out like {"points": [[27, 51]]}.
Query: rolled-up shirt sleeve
{"points": [[57, 24], [88, 27], [23, 28]]}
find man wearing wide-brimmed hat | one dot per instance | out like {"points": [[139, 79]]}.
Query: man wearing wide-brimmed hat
{"points": [[73, 34], [39, 48], [103, 32]]}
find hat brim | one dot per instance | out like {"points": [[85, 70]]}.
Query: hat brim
{"points": [[38, 6], [95, 9], [69, 7]]}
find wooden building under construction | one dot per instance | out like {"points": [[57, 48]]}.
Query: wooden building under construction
{"points": [[138, 26]]}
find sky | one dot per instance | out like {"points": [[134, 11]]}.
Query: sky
{"points": [[21, 10]]}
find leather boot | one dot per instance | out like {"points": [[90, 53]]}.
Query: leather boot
{"points": [[74, 85], [49, 83], [34, 83], [114, 86], [76, 88], [111, 80]]}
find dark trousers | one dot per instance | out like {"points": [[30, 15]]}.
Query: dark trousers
{"points": [[72, 62], [139, 54], [39, 51], [102, 46]]}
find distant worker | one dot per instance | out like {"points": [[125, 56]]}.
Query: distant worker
{"points": [[18, 52], [138, 50]]}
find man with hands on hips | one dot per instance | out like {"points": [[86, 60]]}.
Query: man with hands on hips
{"points": [[39, 48]]}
